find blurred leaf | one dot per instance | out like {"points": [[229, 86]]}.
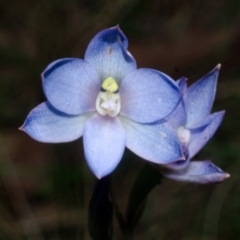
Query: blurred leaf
{"points": [[101, 212], [148, 178]]}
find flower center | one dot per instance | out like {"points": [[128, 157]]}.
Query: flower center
{"points": [[184, 135], [108, 101]]}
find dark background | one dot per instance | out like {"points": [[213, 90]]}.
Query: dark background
{"points": [[45, 188]]}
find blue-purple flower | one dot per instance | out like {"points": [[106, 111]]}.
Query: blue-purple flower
{"points": [[195, 125], [109, 102]]}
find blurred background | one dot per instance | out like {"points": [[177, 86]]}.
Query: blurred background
{"points": [[45, 188]]}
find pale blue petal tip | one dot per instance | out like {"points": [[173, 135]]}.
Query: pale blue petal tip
{"points": [[104, 143], [200, 172], [200, 97], [112, 35], [46, 124]]}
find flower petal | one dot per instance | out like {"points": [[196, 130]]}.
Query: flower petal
{"points": [[200, 136], [104, 144], [178, 117], [46, 124], [107, 53], [71, 85], [178, 164], [156, 143], [203, 172], [182, 83], [148, 95], [204, 122], [200, 97]]}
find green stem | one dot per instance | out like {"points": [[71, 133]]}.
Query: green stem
{"points": [[128, 233]]}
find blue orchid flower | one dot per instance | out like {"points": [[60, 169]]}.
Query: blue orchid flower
{"points": [[194, 126], [109, 102]]}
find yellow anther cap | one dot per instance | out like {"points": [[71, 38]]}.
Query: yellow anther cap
{"points": [[110, 85]]}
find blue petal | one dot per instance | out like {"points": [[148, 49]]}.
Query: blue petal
{"points": [[178, 117], [203, 172], [182, 83], [204, 122], [104, 144], [200, 136], [200, 97], [156, 143], [46, 124], [71, 85], [148, 95], [107, 52], [178, 164]]}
